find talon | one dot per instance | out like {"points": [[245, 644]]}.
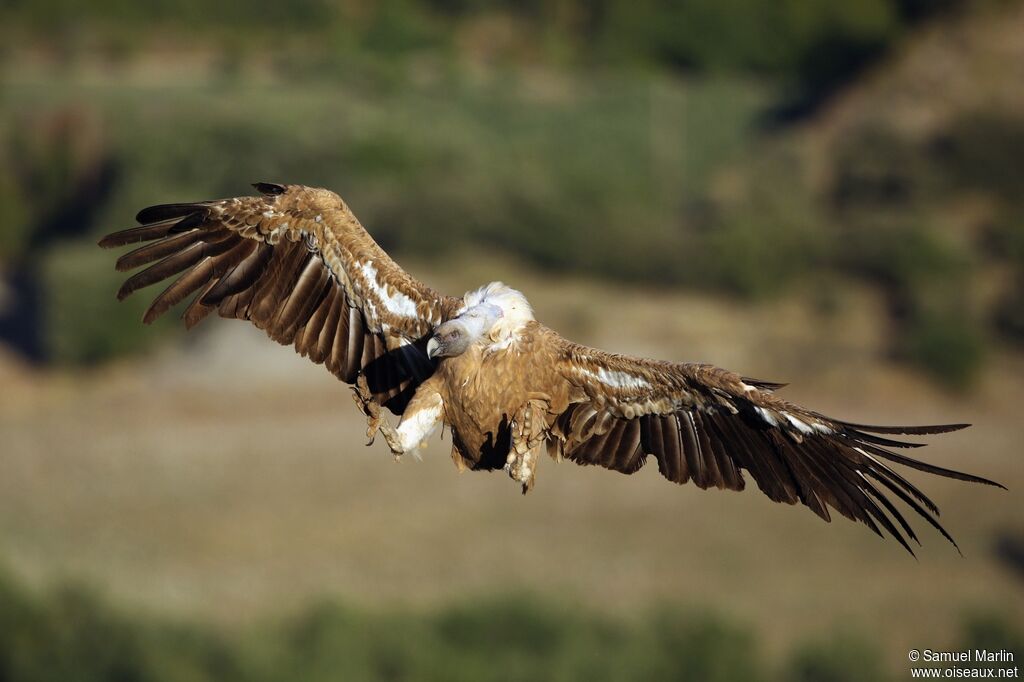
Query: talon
{"points": [[373, 425], [371, 410], [391, 437]]}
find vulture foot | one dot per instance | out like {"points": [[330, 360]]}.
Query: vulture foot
{"points": [[528, 435], [374, 421]]}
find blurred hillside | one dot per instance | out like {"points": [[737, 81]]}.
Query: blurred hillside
{"points": [[753, 149], [815, 192], [224, 484], [496, 639]]}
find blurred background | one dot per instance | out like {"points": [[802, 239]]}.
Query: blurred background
{"points": [[830, 194]]}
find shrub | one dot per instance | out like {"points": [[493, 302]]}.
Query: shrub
{"points": [[72, 634], [842, 657], [946, 345], [84, 323]]}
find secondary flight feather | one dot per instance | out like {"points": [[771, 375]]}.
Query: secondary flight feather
{"points": [[297, 263]]}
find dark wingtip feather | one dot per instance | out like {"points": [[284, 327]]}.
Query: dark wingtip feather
{"points": [[155, 230], [930, 468], [193, 315], [269, 188], [160, 212], [865, 437], [909, 430], [129, 287], [134, 235], [908, 495], [763, 385]]}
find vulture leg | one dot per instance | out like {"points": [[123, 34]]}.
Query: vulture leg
{"points": [[422, 416], [529, 435]]}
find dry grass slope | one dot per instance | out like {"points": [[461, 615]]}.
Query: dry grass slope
{"points": [[226, 478]]}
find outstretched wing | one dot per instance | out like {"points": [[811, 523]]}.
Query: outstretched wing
{"points": [[296, 262], [707, 425]]}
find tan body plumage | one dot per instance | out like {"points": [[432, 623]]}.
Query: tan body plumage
{"points": [[484, 393], [296, 262]]}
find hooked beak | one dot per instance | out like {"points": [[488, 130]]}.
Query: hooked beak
{"points": [[432, 346]]}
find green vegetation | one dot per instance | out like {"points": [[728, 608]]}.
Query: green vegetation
{"points": [[840, 657], [677, 145], [584, 182], [814, 43], [71, 634], [636, 142], [892, 201]]}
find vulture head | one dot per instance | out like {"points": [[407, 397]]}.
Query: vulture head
{"points": [[492, 316], [455, 336]]}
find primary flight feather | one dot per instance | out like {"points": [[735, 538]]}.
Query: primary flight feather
{"points": [[298, 264]]}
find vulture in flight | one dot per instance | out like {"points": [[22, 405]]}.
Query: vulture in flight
{"points": [[298, 264]]}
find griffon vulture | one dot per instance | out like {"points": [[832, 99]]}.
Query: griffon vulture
{"points": [[298, 264]]}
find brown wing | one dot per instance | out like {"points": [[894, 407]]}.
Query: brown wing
{"points": [[296, 262], [707, 426]]}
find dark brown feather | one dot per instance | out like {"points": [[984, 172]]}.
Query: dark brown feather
{"points": [[908, 430], [763, 385], [197, 277], [589, 451], [157, 250], [237, 305], [913, 504], [712, 475], [356, 340], [627, 457], [696, 458], [305, 296], [308, 334], [276, 284], [270, 188], [817, 458], [727, 475], [242, 276], [732, 446], [893, 511], [606, 457], [163, 212], [163, 269], [143, 233], [669, 466], [325, 341], [930, 468], [340, 341], [196, 311], [672, 447]]}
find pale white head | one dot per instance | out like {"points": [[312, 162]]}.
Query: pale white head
{"points": [[491, 316]]}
